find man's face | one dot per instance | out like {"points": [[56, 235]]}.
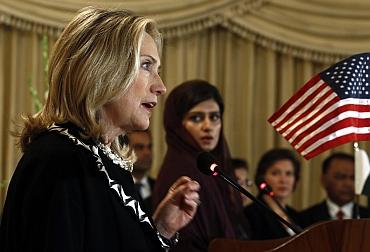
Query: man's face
{"points": [[142, 145], [339, 181]]}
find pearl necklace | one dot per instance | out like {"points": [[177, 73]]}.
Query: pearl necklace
{"points": [[125, 164]]}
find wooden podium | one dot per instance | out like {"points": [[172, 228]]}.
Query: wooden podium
{"points": [[330, 236]]}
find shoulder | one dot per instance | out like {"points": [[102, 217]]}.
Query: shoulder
{"points": [[319, 207], [54, 154], [364, 212]]}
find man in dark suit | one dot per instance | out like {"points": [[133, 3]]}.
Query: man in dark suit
{"points": [[337, 179], [141, 143]]}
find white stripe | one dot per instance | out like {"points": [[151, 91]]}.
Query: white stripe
{"points": [[334, 135], [324, 113], [314, 111], [305, 108], [297, 103], [338, 118], [362, 170]]}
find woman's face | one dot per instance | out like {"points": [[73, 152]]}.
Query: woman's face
{"points": [[203, 122], [132, 110], [280, 176]]}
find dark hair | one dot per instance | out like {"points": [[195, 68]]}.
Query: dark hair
{"points": [[239, 162], [338, 155], [198, 91], [272, 156]]}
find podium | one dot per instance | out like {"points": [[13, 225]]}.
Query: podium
{"points": [[329, 236]]}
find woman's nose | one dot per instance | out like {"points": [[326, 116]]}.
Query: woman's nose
{"points": [[158, 86], [206, 125]]}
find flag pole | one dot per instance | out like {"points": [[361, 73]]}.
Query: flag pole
{"points": [[357, 196]]}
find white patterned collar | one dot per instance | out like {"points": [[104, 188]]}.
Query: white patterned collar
{"points": [[125, 164]]}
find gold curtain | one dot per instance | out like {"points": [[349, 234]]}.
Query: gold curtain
{"points": [[257, 52]]}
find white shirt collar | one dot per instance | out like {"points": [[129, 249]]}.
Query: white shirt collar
{"points": [[334, 208]]}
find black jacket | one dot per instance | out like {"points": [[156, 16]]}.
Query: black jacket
{"points": [[320, 212], [59, 201], [264, 226]]}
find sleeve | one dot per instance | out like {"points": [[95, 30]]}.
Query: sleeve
{"points": [[53, 216], [211, 221]]}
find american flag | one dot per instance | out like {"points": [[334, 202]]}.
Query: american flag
{"points": [[332, 108]]}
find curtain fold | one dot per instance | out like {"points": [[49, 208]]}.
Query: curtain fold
{"points": [[257, 52]]}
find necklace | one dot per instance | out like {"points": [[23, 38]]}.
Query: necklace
{"points": [[127, 165]]}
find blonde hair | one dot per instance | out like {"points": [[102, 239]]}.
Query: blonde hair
{"points": [[94, 61]]}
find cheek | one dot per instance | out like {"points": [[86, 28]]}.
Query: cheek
{"points": [[191, 128], [270, 180], [218, 131]]}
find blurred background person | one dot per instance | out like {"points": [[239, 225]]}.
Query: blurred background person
{"points": [[193, 123], [141, 143], [337, 179], [240, 168], [280, 169]]}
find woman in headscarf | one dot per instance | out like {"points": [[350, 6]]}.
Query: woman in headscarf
{"points": [[193, 124]]}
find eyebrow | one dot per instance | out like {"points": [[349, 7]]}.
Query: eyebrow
{"points": [[202, 112]]}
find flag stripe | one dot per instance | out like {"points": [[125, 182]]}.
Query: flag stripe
{"points": [[306, 90], [306, 104], [311, 114], [324, 120], [336, 142], [313, 117], [341, 128]]}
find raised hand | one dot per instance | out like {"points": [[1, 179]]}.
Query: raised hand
{"points": [[178, 207]]}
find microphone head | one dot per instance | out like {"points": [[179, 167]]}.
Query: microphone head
{"points": [[264, 188], [207, 164]]}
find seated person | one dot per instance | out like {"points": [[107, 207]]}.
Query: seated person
{"points": [[280, 169], [240, 167], [338, 181]]}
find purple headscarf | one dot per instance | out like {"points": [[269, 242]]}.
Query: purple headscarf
{"points": [[216, 216]]}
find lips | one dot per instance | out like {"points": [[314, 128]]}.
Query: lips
{"points": [[149, 105], [206, 140]]}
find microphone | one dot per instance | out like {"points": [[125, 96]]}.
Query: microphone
{"points": [[207, 164], [266, 189]]}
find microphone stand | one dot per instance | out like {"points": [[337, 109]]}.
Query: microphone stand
{"points": [[267, 190], [295, 228]]}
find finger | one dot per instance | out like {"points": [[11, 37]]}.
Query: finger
{"points": [[180, 181], [185, 183], [185, 189]]}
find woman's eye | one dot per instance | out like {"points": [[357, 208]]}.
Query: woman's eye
{"points": [[146, 65], [275, 173], [215, 117], [195, 118]]}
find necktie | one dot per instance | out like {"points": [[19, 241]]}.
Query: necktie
{"points": [[340, 215]]}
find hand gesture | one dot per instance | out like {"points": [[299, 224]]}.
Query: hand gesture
{"points": [[178, 207]]}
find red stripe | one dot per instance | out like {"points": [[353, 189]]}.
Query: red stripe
{"points": [[312, 117], [328, 117], [355, 122], [295, 97], [336, 142], [303, 103]]}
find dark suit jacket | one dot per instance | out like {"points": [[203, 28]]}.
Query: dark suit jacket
{"points": [[148, 202], [320, 212]]}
